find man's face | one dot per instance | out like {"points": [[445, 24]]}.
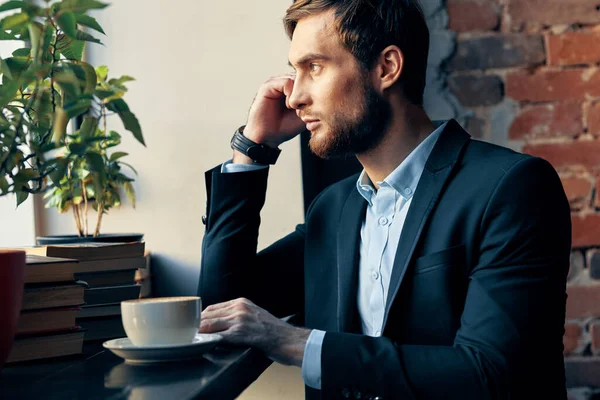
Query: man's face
{"points": [[332, 93]]}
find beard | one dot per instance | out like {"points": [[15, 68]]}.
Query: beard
{"points": [[350, 136]]}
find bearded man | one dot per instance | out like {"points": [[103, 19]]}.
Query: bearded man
{"points": [[439, 272]]}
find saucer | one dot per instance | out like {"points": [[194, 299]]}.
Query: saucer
{"points": [[132, 354]]}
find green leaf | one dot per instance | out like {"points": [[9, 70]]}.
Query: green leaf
{"points": [[5, 69], [115, 156], [3, 185], [24, 52], [77, 108], [74, 49], [21, 196], [17, 65], [129, 192], [91, 79], [81, 5], [11, 5], [81, 35], [59, 171], [130, 166], [118, 106], [90, 22], [8, 92], [14, 20], [67, 22], [26, 174], [119, 82], [102, 72], [78, 148], [103, 94], [7, 36], [35, 34], [88, 126], [131, 123], [61, 119], [95, 162]]}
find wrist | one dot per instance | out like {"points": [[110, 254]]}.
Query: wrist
{"points": [[249, 151], [292, 344], [259, 137]]}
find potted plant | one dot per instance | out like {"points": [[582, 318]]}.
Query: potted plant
{"points": [[45, 85], [83, 187]]}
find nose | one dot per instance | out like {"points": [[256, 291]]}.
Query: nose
{"points": [[299, 98]]}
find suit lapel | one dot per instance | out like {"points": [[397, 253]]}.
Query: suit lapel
{"points": [[348, 239], [438, 168]]}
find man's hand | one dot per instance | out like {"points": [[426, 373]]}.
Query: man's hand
{"points": [[241, 322]]}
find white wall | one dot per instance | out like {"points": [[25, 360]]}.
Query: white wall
{"points": [[198, 65]]}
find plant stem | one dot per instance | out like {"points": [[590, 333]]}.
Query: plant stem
{"points": [[85, 202], [77, 219], [99, 222]]}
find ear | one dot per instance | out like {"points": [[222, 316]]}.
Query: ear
{"points": [[391, 63]]}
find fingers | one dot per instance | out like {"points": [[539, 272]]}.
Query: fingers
{"points": [[288, 87], [215, 324], [275, 87], [220, 310]]}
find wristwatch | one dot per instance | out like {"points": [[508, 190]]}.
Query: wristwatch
{"points": [[259, 153]]}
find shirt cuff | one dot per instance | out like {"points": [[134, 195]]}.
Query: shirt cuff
{"points": [[311, 363], [228, 167]]}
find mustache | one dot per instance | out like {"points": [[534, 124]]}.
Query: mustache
{"points": [[307, 114]]}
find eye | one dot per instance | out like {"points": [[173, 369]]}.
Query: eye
{"points": [[314, 67]]}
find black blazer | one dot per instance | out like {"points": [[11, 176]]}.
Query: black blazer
{"points": [[476, 304]]}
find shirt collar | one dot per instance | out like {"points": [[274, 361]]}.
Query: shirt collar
{"points": [[405, 177]]}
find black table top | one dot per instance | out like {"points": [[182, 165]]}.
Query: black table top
{"points": [[222, 373]]}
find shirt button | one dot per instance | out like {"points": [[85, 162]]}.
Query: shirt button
{"points": [[383, 221], [378, 333], [408, 191], [375, 275]]}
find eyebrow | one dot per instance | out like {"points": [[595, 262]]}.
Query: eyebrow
{"points": [[309, 57]]}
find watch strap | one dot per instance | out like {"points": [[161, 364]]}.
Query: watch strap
{"points": [[259, 153]]}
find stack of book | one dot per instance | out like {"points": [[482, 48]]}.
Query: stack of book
{"points": [[108, 271], [47, 326]]}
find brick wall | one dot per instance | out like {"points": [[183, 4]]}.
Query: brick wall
{"points": [[526, 73]]}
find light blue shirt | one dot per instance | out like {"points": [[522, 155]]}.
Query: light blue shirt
{"points": [[379, 236]]}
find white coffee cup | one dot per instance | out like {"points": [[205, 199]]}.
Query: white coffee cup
{"points": [[162, 320]]}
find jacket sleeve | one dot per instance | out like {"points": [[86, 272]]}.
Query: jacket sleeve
{"points": [[514, 309], [231, 267]]}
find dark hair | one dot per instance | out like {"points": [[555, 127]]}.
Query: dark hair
{"points": [[366, 27]]}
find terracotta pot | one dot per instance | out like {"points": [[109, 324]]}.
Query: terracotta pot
{"points": [[12, 277]]}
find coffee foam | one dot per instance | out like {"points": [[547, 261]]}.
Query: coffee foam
{"points": [[175, 299]]}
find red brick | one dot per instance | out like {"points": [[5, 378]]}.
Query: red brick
{"points": [[579, 192], [593, 119], [574, 153], [595, 334], [550, 120], [582, 371], [586, 232], [583, 301], [472, 15], [546, 85], [498, 51], [573, 48], [572, 339], [552, 12]]}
